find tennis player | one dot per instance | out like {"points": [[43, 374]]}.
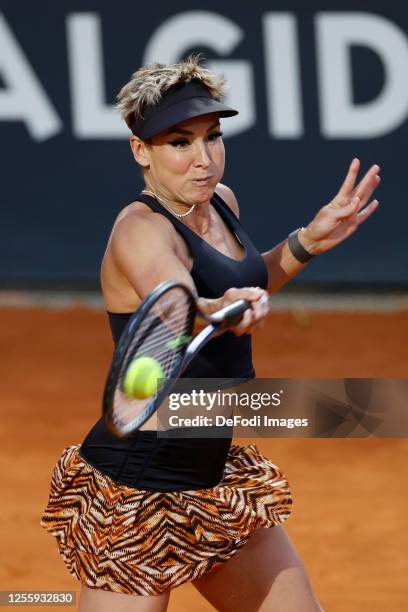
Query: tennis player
{"points": [[135, 517]]}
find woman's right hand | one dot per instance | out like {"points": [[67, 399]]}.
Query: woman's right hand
{"points": [[252, 319]]}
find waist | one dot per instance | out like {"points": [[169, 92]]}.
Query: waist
{"points": [[147, 462]]}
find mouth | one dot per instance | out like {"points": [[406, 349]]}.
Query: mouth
{"points": [[202, 181]]}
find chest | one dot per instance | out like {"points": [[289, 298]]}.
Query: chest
{"points": [[220, 259], [224, 240], [219, 238]]}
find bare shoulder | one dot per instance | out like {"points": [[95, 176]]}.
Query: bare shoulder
{"points": [[229, 197], [135, 214], [142, 252], [138, 224]]}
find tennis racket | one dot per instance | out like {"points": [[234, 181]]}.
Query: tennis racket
{"points": [[161, 328]]}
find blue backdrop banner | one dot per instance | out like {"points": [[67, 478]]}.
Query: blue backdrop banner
{"points": [[315, 87]]}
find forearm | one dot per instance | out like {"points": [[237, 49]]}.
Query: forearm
{"points": [[205, 307], [282, 264], [333, 224]]}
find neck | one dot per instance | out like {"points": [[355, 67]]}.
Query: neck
{"points": [[196, 215], [200, 220]]}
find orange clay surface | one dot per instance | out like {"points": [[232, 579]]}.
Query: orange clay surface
{"points": [[350, 496]]}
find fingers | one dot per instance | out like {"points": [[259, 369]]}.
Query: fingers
{"points": [[368, 184], [365, 187], [253, 318], [349, 182], [349, 209], [364, 214], [344, 203]]}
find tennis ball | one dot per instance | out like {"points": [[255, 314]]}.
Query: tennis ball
{"points": [[141, 377]]}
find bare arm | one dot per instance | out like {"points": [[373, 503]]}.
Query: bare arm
{"points": [[281, 264], [143, 251], [333, 224]]}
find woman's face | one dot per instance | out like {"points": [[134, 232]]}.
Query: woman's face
{"points": [[186, 162]]}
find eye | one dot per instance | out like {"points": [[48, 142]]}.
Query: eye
{"points": [[179, 143], [214, 136]]}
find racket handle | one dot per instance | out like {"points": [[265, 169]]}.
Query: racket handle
{"points": [[233, 313], [219, 320], [230, 315]]}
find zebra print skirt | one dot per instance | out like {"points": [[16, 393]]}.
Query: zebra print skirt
{"points": [[122, 539]]}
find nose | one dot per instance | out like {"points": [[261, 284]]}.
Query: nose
{"points": [[202, 155]]}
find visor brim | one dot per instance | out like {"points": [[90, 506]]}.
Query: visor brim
{"points": [[181, 111]]}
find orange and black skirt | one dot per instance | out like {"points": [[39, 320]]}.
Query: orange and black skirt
{"points": [[121, 539]]}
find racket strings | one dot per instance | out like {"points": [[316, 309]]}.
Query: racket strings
{"points": [[159, 342], [160, 314], [162, 335]]}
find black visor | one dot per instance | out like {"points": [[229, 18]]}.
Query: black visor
{"points": [[181, 102]]}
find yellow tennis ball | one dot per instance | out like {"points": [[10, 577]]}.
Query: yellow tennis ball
{"points": [[141, 377]]}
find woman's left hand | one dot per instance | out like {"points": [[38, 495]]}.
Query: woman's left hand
{"points": [[341, 217]]}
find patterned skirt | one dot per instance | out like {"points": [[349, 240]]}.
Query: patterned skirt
{"points": [[122, 539]]}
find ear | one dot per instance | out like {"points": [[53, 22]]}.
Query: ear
{"points": [[140, 151]]}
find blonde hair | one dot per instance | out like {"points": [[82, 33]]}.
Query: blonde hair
{"points": [[149, 83]]}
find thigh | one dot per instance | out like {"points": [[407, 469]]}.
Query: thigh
{"points": [[266, 574], [107, 601]]}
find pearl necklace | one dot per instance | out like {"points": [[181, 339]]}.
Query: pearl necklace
{"points": [[180, 215]]}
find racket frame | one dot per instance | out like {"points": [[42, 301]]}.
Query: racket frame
{"points": [[120, 354], [218, 321]]}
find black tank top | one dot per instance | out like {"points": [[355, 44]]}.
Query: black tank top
{"points": [[143, 460]]}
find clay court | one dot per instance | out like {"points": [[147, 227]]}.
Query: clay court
{"points": [[350, 498]]}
